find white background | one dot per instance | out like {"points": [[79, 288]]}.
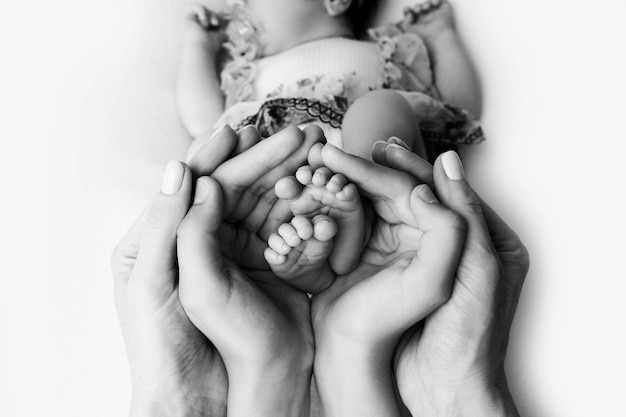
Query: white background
{"points": [[88, 122]]}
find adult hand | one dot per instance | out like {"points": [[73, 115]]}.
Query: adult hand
{"points": [[252, 210], [454, 361], [404, 274], [260, 325], [175, 370]]}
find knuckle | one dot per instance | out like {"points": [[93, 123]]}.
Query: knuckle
{"points": [[185, 229], [455, 222]]}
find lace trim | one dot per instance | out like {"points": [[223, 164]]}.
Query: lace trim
{"points": [[276, 114]]}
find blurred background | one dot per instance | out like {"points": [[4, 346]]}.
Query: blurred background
{"points": [[88, 122]]}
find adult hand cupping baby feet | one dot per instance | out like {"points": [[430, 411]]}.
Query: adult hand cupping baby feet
{"points": [[260, 324], [252, 210], [175, 370], [405, 273], [454, 361], [261, 328]]}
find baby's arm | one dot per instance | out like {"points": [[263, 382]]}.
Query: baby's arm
{"points": [[454, 74], [199, 97]]}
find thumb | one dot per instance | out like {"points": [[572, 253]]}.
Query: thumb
{"points": [[155, 231], [455, 192], [203, 282]]}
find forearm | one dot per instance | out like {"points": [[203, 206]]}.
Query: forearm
{"points": [[199, 97], [454, 74], [353, 384]]}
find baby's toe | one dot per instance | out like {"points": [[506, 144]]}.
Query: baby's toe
{"points": [[315, 155], [349, 193], [278, 244], [302, 227], [287, 188], [321, 176], [274, 258], [336, 183], [289, 234], [304, 175], [324, 228]]}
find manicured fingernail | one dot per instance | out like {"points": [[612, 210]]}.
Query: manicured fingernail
{"points": [[379, 143], [397, 141], [396, 146], [426, 194], [202, 192], [218, 131], [246, 128], [452, 166], [173, 177]]}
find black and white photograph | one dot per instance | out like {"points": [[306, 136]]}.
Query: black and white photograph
{"points": [[325, 208]]}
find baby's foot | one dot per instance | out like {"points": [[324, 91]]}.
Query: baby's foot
{"points": [[203, 26], [430, 17], [312, 192], [298, 253]]}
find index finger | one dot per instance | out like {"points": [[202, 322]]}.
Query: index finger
{"points": [[372, 178], [216, 150], [244, 169], [397, 157]]}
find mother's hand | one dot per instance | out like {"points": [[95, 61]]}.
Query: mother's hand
{"points": [[454, 361], [175, 369], [405, 273]]}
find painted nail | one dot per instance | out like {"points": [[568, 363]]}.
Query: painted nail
{"points": [[426, 194], [396, 146], [452, 166], [173, 177], [246, 128], [202, 191], [218, 131], [396, 140]]}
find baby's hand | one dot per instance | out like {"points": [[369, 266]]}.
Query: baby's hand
{"points": [[205, 27], [429, 18]]}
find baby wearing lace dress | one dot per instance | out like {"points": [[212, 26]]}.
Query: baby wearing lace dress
{"points": [[301, 62]]}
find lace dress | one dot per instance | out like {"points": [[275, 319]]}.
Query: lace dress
{"points": [[316, 82]]}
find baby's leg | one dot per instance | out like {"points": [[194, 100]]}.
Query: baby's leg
{"points": [[312, 192], [200, 101], [379, 115], [299, 251]]}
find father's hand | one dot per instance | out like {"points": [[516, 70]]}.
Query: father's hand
{"points": [[175, 370]]}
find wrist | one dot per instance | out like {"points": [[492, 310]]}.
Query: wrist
{"points": [[475, 396], [438, 35], [163, 405], [355, 382], [280, 391]]}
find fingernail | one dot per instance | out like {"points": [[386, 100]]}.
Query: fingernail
{"points": [[218, 131], [452, 166], [173, 177], [426, 194], [397, 141], [396, 146], [246, 128], [202, 192]]}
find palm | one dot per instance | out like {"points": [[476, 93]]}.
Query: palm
{"points": [[370, 294], [271, 317], [154, 321]]}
